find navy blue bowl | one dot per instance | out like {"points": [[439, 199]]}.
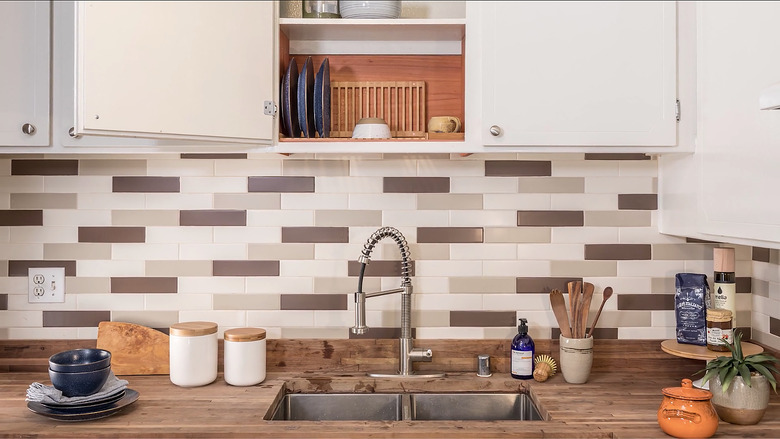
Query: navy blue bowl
{"points": [[80, 360], [79, 383]]}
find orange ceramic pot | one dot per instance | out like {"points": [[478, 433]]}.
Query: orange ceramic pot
{"points": [[687, 412]]}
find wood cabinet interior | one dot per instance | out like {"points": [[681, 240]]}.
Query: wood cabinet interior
{"points": [[444, 76]]}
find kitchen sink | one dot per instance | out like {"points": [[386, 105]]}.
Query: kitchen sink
{"points": [[406, 406]]}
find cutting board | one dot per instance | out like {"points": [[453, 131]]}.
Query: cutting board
{"points": [[135, 349]]}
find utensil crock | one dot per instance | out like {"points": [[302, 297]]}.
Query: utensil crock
{"points": [[686, 412]]}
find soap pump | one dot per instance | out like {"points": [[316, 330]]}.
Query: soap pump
{"points": [[522, 361]]}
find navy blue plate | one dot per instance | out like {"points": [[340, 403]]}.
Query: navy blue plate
{"points": [[322, 100], [289, 103], [305, 99], [85, 413]]}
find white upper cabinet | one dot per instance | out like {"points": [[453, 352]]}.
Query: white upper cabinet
{"points": [[578, 73], [24, 78], [176, 70]]}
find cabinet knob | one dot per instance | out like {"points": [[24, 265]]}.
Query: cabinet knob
{"points": [[496, 130], [28, 129], [72, 133]]}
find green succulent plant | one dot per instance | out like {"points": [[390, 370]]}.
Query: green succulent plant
{"points": [[726, 368]]}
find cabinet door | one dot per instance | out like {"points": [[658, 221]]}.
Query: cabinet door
{"points": [[184, 70], [579, 73], [24, 78]]}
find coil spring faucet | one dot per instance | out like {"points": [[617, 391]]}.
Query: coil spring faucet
{"points": [[407, 352]]}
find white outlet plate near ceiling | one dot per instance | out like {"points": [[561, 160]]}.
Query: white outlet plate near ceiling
{"points": [[46, 285]]}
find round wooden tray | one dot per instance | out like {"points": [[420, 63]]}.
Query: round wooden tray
{"points": [[701, 352]]}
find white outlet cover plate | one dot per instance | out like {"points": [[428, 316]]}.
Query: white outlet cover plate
{"points": [[46, 285]]}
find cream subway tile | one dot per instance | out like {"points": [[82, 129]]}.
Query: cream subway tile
{"points": [[163, 268], [110, 268], [383, 168], [483, 185], [448, 268], [382, 201], [279, 285], [348, 218], [212, 251], [340, 251], [44, 234], [277, 251], [588, 268], [638, 168], [347, 285], [590, 235], [177, 167], [18, 302], [152, 319], [545, 185], [179, 201], [661, 318], [517, 268], [682, 251], [80, 185], [177, 302], [247, 167], [647, 235], [316, 333], [585, 168], [483, 252], [424, 285], [378, 305], [524, 302], [143, 218], [767, 272], [78, 251], [203, 284], [313, 268], [616, 185], [518, 234], [60, 201], [245, 201], [482, 285], [646, 333], [213, 185], [112, 167], [21, 319], [486, 218], [86, 285], [429, 251], [450, 333], [767, 339], [223, 319], [112, 201], [278, 218], [315, 167], [314, 201], [416, 218], [21, 251], [584, 201], [43, 334], [517, 201], [175, 235], [450, 168], [557, 252], [22, 184], [134, 251], [114, 302], [650, 268], [348, 185], [247, 235], [622, 284], [286, 319], [330, 319], [246, 301], [66, 217]]}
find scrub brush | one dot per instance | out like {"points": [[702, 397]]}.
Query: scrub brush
{"points": [[545, 368]]}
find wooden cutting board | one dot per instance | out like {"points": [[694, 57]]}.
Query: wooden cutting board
{"points": [[135, 349]]}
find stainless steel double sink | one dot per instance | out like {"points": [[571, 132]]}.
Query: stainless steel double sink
{"points": [[406, 407]]}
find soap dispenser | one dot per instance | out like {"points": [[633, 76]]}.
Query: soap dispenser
{"points": [[522, 361]]}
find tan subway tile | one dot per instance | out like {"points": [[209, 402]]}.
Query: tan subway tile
{"points": [[246, 301], [645, 301], [760, 288], [72, 319], [430, 251], [112, 167], [449, 201], [599, 218], [416, 185], [346, 285], [450, 234], [315, 234], [281, 251], [348, 218], [145, 184], [281, 184], [583, 268], [178, 268], [44, 201], [79, 251], [614, 185], [246, 268], [88, 285], [212, 217], [550, 218], [152, 319], [21, 217], [316, 167], [490, 285], [313, 302], [20, 267], [537, 285], [622, 319], [517, 168], [44, 167], [427, 318], [253, 201], [617, 252], [145, 217], [316, 333], [112, 234], [144, 285], [378, 268], [482, 318], [637, 201], [682, 251], [517, 234], [545, 185]]}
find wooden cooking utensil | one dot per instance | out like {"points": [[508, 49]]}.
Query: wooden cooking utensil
{"points": [[573, 299], [559, 309], [577, 310], [607, 295], [584, 305]]}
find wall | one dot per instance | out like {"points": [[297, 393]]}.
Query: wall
{"points": [[263, 240], [766, 296]]}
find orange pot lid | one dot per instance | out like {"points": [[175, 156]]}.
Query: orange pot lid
{"points": [[688, 392]]}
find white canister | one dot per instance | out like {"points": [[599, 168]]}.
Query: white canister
{"points": [[193, 349], [244, 356]]}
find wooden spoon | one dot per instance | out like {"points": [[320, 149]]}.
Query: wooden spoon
{"points": [[607, 295], [559, 308], [584, 306], [573, 300]]}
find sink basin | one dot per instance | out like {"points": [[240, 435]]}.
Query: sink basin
{"points": [[406, 406]]}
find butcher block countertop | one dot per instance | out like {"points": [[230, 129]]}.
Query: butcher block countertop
{"points": [[620, 400]]}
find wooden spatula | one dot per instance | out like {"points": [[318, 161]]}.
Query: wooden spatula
{"points": [[559, 309], [584, 305], [573, 299]]}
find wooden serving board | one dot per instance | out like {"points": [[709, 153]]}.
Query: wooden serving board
{"points": [[697, 352], [135, 349]]}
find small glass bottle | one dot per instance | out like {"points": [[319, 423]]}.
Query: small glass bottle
{"points": [[719, 329], [321, 9], [724, 285]]}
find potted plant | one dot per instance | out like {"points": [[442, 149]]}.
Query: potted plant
{"points": [[739, 384]]}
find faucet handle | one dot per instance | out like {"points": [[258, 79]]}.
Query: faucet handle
{"points": [[421, 354]]}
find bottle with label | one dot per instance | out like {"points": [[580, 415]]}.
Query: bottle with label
{"points": [[522, 361], [719, 329], [724, 286]]}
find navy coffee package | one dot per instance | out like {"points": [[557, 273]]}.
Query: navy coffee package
{"points": [[690, 308]]}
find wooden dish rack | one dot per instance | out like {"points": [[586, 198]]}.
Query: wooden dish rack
{"points": [[400, 103]]}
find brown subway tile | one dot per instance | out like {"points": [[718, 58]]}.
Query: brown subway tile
{"points": [[74, 319], [212, 217], [145, 184], [637, 202], [380, 333], [700, 241], [744, 284], [647, 302], [3, 302], [144, 285], [315, 234], [44, 201], [330, 302], [246, 268], [378, 268], [536, 285], [760, 254], [517, 168], [215, 155], [21, 217], [482, 318], [281, 184], [19, 268], [615, 156], [450, 234], [617, 252], [550, 218], [598, 333], [44, 167], [416, 185], [112, 234], [774, 326]]}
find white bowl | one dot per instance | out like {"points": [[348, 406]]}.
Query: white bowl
{"points": [[371, 128], [370, 9]]}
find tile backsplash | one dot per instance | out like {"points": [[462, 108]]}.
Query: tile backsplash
{"points": [[272, 241]]}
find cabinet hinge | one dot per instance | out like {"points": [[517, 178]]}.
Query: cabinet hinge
{"points": [[677, 110], [269, 108]]}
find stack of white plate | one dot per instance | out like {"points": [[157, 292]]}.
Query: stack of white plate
{"points": [[370, 9]]}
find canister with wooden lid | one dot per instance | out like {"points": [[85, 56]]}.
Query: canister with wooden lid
{"points": [[244, 356], [193, 352]]}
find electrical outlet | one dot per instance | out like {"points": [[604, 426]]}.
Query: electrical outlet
{"points": [[45, 284]]}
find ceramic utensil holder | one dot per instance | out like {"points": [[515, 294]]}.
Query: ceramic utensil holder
{"points": [[576, 359]]}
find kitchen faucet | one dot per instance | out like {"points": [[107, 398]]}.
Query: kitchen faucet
{"points": [[407, 353]]}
